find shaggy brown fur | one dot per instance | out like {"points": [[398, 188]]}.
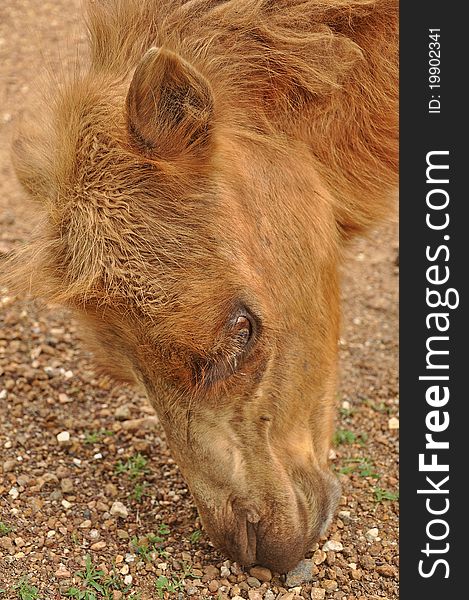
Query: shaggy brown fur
{"points": [[197, 183]]}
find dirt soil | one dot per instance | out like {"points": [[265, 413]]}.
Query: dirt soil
{"points": [[84, 466]]}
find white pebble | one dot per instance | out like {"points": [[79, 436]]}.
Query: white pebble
{"points": [[346, 405], [119, 510], [14, 493], [3, 394], [66, 504], [393, 423], [296, 590], [372, 535], [128, 579], [63, 437], [332, 545], [98, 456], [225, 572]]}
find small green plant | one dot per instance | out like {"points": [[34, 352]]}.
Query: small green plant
{"points": [[195, 536], [4, 529], [139, 491], [163, 584], [153, 542], [362, 466], [135, 466], [142, 548], [163, 529], [380, 407], [74, 538], [94, 437], [344, 436], [25, 591], [91, 578], [95, 584], [380, 494]]}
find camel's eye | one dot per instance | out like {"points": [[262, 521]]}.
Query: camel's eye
{"points": [[236, 344], [242, 330]]}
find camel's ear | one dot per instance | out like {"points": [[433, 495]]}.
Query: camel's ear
{"points": [[169, 107]]}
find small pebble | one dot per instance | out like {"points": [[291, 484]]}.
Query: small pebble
{"points": [[122, 534], [9, 465], [225, 572], [122, 413], [387, 571], [393, 423], [63, 437], [62, 572], [329, 585], [110, 490], [318, 594], [372, 535], [66, 486], [332, 545], [253, 582], [319, 557], [14, 493], [213, 586], [211, 572], [98, 546], [119, 510], [261, 573]]}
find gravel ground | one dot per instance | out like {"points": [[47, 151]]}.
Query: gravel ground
{"points": [[90, 498]]}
